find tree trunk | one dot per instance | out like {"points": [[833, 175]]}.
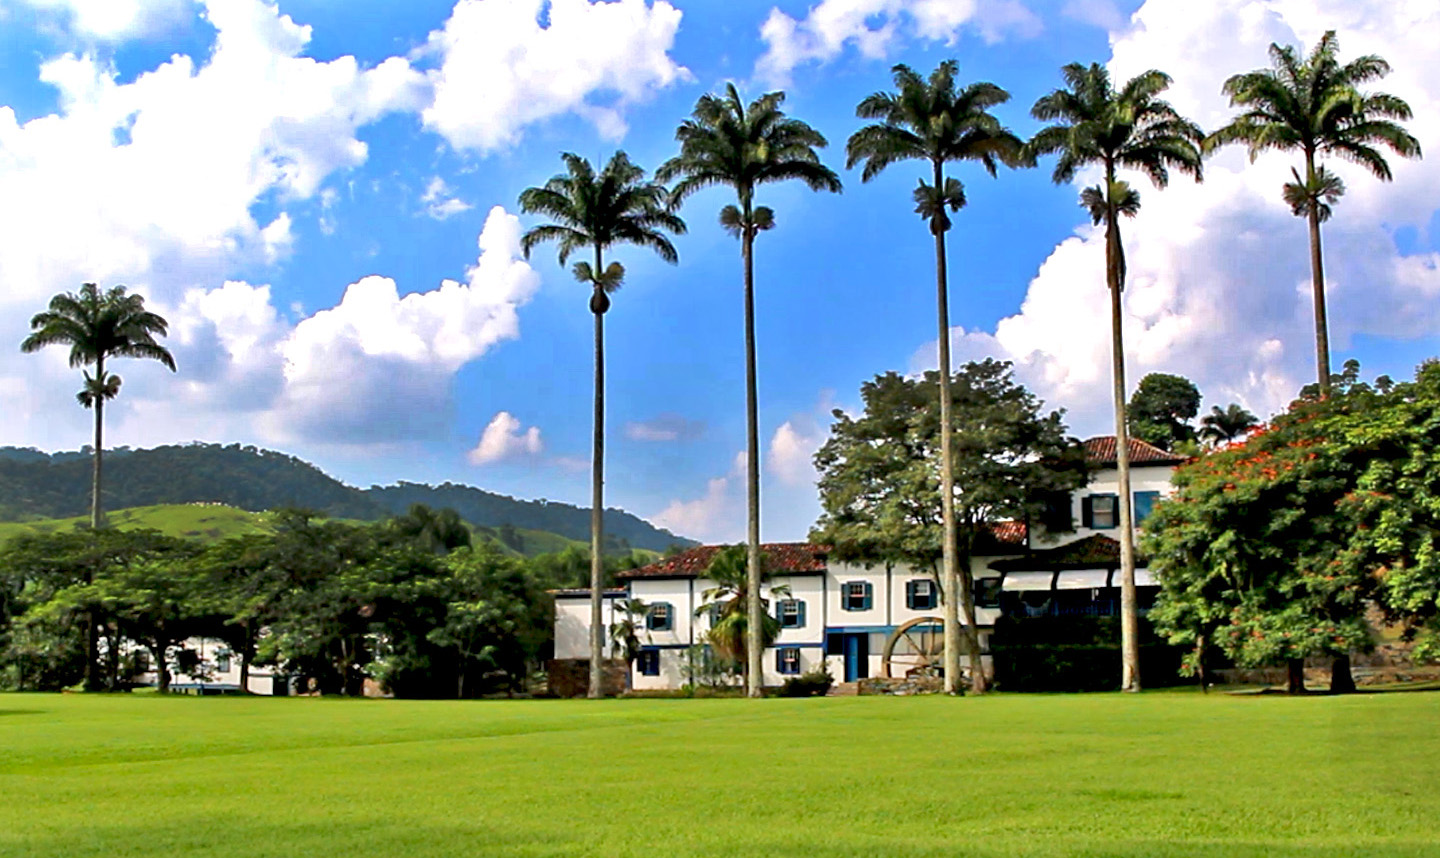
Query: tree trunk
{"points": [[92, 678], [245, 660], [950, 570], [978, 683], [754, 646], [162, 670], [1129, 614], [597, 503], [1341, 681], [1317, 277], [1295, 676]]}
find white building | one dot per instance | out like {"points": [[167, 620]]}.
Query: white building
{"points": [[875, 620], [219, 671]]}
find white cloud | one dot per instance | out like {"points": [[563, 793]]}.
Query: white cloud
{"points": [[874, 28], [718, 516], [439, 204], [506, 438], [1219, 280], [116, 20], [665, 427], [501, 70]]}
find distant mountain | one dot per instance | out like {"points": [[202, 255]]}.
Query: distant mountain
{"points": [[34, 485]]}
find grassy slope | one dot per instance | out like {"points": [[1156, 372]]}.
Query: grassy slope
{"points": [[209, 523], [1170, 774]]}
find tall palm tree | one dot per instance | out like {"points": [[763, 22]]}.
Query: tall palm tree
{"points": [[98, 326], [1223, 426], [618, 206], [936, 122], [742, 146], [1096, 124], [1315, 105]]}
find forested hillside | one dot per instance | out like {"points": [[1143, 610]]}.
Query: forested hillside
{"points": [[34, 484]]}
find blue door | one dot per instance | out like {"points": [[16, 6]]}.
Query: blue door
{"points": [[857, 657]]}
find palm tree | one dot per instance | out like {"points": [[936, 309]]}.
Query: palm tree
{"points": [[933, 121], [625, 635], [1223, 426], [729, 600], [1096, 124], [1315, 105], [727, 142], [97, 326], [619, 206]]}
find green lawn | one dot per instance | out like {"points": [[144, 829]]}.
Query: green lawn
{"points": [[1166, 774]]}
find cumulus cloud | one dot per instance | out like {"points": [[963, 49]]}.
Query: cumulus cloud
{"points": [[718, 516], [115, 20], [439, 202], [665, 427], [506, 438], [874, 28], [375, 368], [501, 69], [1219, 280]]}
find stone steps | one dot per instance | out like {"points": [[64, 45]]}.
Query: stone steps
{"points": [[844, 689]]}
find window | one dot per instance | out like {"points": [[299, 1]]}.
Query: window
{"points": [[648, 662], [660, 617], [1056, 516], [856, 596], [222, 661], [987, 592], [787, 661], [1100, 512], [791, 614], [921, 595], [1144, 503]]}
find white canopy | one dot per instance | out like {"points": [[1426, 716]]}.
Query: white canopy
{"points": [[1028, 580], [1143, 578], [1082, 579]]}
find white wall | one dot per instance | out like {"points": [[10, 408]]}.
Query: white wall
{"points": [[1143, 478], [572, 625], [211, 652]]}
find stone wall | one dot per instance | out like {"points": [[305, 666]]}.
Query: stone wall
{"points": [[570, 677], [900, 687]]}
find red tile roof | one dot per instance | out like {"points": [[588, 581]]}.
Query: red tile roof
{"points": [[784, 557], [1100, 451]]}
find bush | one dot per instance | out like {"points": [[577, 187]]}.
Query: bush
{"points": [[1075, 654], [815, 683]]}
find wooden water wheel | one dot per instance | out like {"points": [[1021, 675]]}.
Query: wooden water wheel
{"points": [[916, 648]]}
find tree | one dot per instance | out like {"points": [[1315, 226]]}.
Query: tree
{"points": [[1126, 128], [881, 490], [625, 635], [619, 206], [1270, 549], [1316, 106], [730, 634], [1161, 410], [1224, 426], [727, 142], [98, 326], [438, 531], [936, 122]]}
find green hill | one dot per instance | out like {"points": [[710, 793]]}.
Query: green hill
{"points": [[205, 522], [35, 485]]}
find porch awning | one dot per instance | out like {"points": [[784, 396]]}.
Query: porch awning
{"points": [[1082, 579], [1029, 580]]}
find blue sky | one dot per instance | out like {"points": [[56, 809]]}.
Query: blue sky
{"points": [[292, 186]]}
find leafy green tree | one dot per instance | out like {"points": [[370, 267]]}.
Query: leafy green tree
{"points": [[1129, 127], [1161, 410], [937, 122], [618, 206], [880, 486], [742, 146], [1316, 106], [730, 638], [1225, 426], [438, 531], [98, 326]]}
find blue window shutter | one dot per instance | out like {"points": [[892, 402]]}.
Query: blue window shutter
{"points": [[1087, 511], [1144, 503], [669, 617], [910, 595], [779, 661], [869, 595], [801, 618]]}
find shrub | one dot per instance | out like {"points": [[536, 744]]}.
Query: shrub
{"points": [[815, 683]]}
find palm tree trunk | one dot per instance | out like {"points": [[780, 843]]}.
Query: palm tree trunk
{"points": [[754, 648], [92, 681], [1317, 278], [950, 572], [597, 482], [1129, 615]]}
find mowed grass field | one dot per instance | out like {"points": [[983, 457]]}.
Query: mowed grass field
{"points": [[1161, 774]]}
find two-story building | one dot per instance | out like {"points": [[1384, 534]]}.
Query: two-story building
{"points": [[862, 620]]}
